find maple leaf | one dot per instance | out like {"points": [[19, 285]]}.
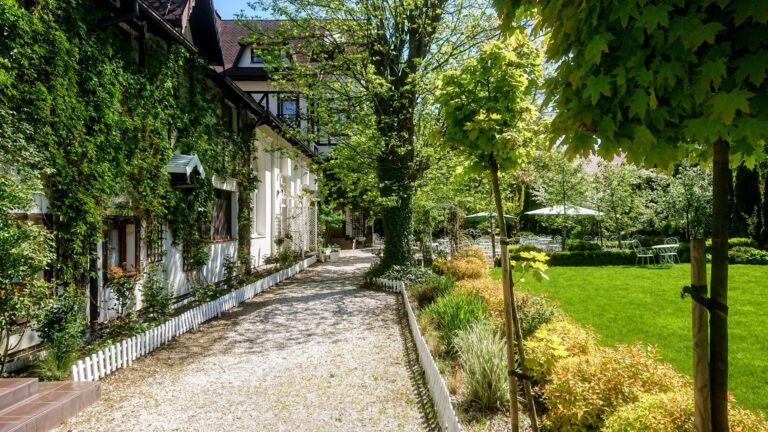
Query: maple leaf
{"points": [[653, 17], [597, 46], [753, 66], [697, 35], [712, 73], [638, 104], [725, 105], [598, 85]]}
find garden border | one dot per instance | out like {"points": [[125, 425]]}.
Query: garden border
{"points": [[123, 353], [441, 398]]}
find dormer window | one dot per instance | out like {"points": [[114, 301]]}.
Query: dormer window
{"points": [[256, 58]]}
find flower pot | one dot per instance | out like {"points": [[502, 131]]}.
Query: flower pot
{"points": [[335, 256]]}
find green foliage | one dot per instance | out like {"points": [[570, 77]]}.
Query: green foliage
{"points": [[372, 81], [411, 275], [455, 312], [620, 196], [533, 310], [123, 286], [434, 287], [659, 81], [557, 340], [203, 293], [673, 412], [25, 247], [747, 219], [488, 105], [106, 127], [60, 324], [586, 389], [157, 299], [581, 246], [482, 352], [232, 273], [747, 255], [284, 258]]}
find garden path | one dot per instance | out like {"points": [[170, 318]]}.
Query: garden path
{"points": [[316, 353]]}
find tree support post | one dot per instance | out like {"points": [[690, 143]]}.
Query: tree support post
{"points": [[718, 324], [699, 315], [511, 323]]}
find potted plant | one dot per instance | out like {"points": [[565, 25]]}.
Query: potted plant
{"points": [[335, 253]]}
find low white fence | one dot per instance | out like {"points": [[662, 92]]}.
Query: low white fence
{"points": [[446, 415], [123, 353]]}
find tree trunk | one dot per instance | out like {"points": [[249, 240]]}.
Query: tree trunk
{"points": [[395, 172], [701, 396], [718, 355], [511, 320]]}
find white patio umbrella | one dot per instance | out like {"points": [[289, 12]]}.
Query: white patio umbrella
{"points": [[567, 210], [564, 210]]}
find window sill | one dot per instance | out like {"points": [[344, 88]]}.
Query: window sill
{"points": [[258, 236], [230, 240]]}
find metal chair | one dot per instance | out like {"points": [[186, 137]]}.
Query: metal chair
{"points": [[670, 254], [642, 254]]}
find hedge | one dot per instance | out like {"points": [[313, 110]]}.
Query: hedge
{"points": [[595, 258]]}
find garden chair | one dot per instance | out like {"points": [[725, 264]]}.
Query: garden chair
{"points": [[670, 254], [642, 254]]}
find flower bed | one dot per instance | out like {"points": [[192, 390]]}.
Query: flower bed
{"points": [[580, 385], [123, 353]]}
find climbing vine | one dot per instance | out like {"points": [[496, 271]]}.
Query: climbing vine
{"points": [[107, 121]]}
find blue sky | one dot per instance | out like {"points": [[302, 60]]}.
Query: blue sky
{"points": [[228, 8]]}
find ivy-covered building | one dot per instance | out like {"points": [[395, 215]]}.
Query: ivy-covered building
{"points": [[152, 158]]}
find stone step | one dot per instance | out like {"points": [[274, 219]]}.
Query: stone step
{"points": [[53, 403], [15, 390]]}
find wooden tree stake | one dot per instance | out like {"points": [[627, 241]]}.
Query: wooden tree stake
{"points": [[701, 395]]}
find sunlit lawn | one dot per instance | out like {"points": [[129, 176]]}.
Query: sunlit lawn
{"points": [[628, 304]]}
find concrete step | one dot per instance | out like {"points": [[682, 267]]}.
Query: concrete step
{"points": [[15, 390], [52, 403]]}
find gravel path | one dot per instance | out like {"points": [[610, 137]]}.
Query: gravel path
{"points": [[316, 353]]}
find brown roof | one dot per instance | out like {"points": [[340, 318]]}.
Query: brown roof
{"points": [[234, 32], [171, 10]]}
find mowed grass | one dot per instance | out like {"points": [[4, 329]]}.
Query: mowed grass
{"points": [[630, 304]]}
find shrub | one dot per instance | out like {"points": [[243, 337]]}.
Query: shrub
{"points": [[580, 245], [747, 255], [559, 339], [734, 242], [585, 390], [123, 286], [455, 312], [435, 286], [60, 325], [466, 268], [411, 275], [533, 311], [483, 359], [438, 265], [283, 258], [673, 412], [469, 252], [203, 293], [156, 295]]}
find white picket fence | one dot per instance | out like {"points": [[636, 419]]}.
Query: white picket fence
{"points": [[123, 353], [446, 415]]}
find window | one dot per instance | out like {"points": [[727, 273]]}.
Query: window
{"points": [[155, 241], [256, 58], [289, 110], [222, 216]]}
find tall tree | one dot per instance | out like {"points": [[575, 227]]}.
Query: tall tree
{"points": [[490, 115], [374, 62], [662, 80], [619, 196]]}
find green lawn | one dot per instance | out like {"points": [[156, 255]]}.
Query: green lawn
{"points": [[629, 304]]}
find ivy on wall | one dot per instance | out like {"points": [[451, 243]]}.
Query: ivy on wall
{"points": [[107, 126]]}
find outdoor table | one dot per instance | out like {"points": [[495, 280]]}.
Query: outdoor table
{"points": [[665, 253]]}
